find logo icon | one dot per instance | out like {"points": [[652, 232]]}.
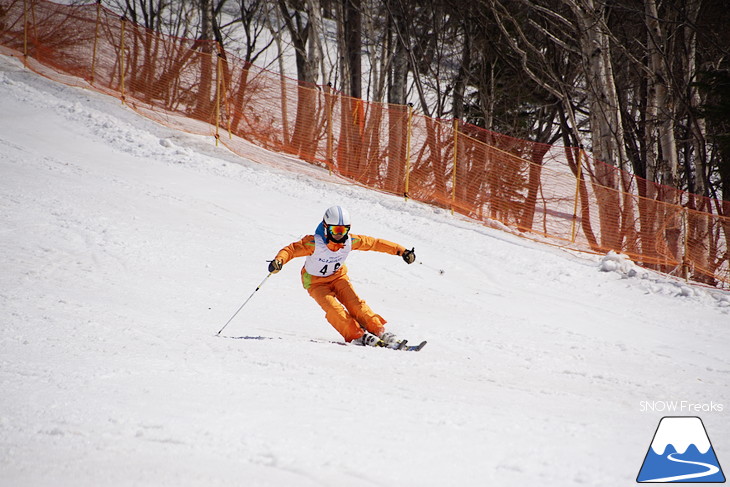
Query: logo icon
{"points": [[681, 452]]}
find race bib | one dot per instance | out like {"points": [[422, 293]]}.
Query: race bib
{"points": [[324, 262]]}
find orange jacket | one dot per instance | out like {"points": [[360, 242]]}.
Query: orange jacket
{"points": [[305, 247]]}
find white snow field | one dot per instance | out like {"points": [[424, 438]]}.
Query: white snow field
{"points": [[126, 246]]}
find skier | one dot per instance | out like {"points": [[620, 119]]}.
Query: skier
{"points": [[324, 276]]}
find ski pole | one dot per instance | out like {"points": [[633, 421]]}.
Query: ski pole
{"points": [[244, 303], [440, 271]]}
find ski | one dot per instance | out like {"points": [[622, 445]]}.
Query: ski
{"points": [[260, 337], [413, 348], [402, 346]]}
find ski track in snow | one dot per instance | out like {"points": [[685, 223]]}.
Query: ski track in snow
{"points": [[126, 246]]}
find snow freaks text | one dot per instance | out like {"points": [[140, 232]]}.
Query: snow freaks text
{"points": [[680, 407]]}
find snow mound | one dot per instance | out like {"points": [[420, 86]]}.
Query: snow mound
{"points": [[662, 284], [622, 265]]}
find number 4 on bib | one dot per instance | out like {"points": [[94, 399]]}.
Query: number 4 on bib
{"points": [[324, 269]]}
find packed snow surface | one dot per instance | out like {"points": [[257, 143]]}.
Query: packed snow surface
{"points": [[126, 246]]}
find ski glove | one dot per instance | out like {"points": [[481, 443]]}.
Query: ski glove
{"points": [[409, 255], [275, 266]]}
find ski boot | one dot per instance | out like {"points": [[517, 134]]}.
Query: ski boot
{"points": [[392, 341], [370, 340]]}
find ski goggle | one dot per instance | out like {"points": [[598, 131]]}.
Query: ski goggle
{"points": [[338, 229]]}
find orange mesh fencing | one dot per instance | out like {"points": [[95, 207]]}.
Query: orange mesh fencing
{"points": [[552, 193]]}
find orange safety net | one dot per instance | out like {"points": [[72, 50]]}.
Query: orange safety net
{"points": [[551, 193]]}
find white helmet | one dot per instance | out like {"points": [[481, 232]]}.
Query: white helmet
{"points": [[336, 216]]}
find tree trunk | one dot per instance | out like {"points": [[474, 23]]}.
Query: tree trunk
{"points": [[353, 45], [397, 111], [664, 106], [203, 108], [667, 167], [306, 38], [605, 115], [461, 77]]}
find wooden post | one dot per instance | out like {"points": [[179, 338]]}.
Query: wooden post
{"points": [[577, 195], [409, 129], [330, 128], [25, 33], [218, 70], [453, 171], [284, 114], [224, 88], [685, 260], [121, 58]]}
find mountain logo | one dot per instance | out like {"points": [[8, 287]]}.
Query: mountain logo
{"points": [[681, 452]]}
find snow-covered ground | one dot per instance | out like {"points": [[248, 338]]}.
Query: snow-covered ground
{"points": [[126, 246]]}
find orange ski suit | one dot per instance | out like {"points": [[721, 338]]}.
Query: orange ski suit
{"points": [[343, 308]]}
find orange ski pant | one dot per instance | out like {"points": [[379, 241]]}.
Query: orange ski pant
{"points": [[344, 309]]}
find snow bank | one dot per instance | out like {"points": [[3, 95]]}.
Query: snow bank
{"points": [[656, 283], [622, 265]]}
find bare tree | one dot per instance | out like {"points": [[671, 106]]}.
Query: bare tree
{"points": [[303, 19], [352, 26]]}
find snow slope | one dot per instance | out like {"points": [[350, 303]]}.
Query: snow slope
{"points": [[126, 246]]}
